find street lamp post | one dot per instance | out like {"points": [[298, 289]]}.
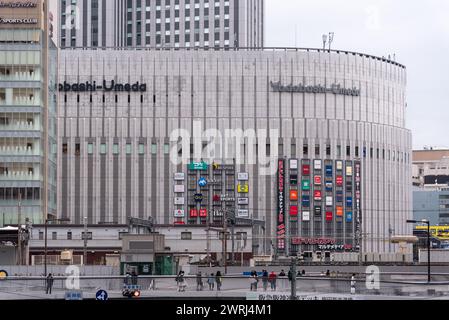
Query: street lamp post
{"points": [[428, 244], [85, 242], [45, 248]]}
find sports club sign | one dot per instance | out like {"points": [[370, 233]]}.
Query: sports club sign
{"points": [[281, 231]]}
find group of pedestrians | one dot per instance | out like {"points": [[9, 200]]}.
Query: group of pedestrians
{"points": [[211, 280], [266, 278]]}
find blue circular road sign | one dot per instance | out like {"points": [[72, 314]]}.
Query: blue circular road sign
{"points": [[101, 295]]}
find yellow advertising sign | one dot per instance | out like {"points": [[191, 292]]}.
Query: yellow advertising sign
{"points": [[243, 188]]}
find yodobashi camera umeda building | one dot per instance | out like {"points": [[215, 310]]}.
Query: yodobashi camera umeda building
{"points": [[332, 125]]}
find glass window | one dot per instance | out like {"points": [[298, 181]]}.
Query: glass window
{"points": [[338, 151], [153, 148], [305, 150], [317, 149], [41, 235], [103, 148], [54, 236], [69, 235], [186, 235], [90, 148], [141, 148], [166, 148], [115, 149]]}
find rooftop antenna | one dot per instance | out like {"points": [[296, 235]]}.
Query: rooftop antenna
{"points": [[296, 35], [324, 41], [331, 39]]}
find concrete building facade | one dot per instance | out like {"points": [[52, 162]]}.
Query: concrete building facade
{"points": [[28, 124], [342, 159], [162, 23]]}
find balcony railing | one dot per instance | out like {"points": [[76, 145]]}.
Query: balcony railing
{"points": [[21, 76], [21, 101], [20, 176], [19, 151], [20, 126]]}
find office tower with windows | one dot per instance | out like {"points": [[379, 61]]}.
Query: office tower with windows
{"points": [[28, 62], [162, 23]]}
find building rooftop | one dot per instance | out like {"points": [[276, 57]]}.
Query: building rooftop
{"points": [[268, 49], [430, 155]]}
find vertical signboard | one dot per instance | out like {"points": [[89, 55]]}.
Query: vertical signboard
{"points": [[357, 205], [281, 207]]}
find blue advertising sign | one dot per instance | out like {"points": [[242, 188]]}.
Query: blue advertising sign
{"points": [[348, 216], [349, 201], [306, 201], [329, 171], [202, 182]]}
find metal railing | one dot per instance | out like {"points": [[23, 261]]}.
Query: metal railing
{"points": [[232, 286]]}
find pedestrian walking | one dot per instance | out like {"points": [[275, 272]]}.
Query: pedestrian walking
{"points": [[272, 280], [199, 281], [353, 283], [211, 282], [134, 278], [219, 280], [49, 283], [180, 281], [253, 280], [265, 280], [282, 279]]}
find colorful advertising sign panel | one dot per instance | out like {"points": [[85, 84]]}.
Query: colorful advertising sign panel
{"points": [[193, 213], [305, 185], [293, 164], [294, 211], [339, 211], [306, 170], [179, 188], [339, 181], [243, 188], [294, 195], [329, 216], [198, 166], [243, 176], [317, 180], [179, 213], [305, 216], [306, 201], [281, 228]]}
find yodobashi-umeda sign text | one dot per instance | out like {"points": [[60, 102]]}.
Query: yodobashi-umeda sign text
{"points": [[281, 231], [300, 88], [107, 87]]}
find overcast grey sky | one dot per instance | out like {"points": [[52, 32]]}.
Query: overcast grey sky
{"points": [[416, 31]]}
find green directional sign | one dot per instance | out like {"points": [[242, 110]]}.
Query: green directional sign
{"points": [[198, 166]]}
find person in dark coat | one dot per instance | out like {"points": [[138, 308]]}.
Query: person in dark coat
{"points": [[49, 283]]}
